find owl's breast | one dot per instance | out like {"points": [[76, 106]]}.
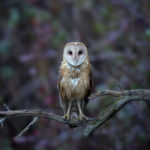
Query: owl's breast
{"points": [[76, 88]]}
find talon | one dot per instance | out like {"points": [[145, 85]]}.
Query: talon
{"points": [[66, 117], [83, 117]]}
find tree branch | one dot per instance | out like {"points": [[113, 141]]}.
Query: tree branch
{"points": [[92, 124], [36, 113], [137, 92], [109, 113]]}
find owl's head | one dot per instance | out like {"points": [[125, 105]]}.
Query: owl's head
{"points": [[75, 53]]}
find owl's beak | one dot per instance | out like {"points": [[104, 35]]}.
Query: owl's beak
{"points": [[75, 58]]}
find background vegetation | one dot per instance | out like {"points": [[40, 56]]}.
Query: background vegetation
{"points": [[32, 36]]}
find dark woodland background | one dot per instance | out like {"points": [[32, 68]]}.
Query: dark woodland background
{"points": [[32, 36]]}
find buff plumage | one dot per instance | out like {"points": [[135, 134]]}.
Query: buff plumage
{"points": [[75, 80]]}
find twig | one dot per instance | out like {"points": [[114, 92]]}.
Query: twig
{"points": [[7, 108], [27, 127], [3, 119]]}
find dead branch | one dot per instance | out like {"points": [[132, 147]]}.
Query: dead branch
{"points": [[102, 118], [137, 92], [126, 96], [27, 127]]}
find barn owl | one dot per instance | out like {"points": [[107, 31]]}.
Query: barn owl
{"points": [[75, 80]]}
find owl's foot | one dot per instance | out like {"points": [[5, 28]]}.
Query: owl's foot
{"points": [[66, 117], [83, 117]]}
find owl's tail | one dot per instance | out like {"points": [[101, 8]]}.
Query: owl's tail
{"points": [[74, 116]]}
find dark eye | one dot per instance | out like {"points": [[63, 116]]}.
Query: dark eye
{"points": [[80, 52], [70, 52]]}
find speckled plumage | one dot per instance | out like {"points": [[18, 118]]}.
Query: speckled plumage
{"points": [[74, 85]]}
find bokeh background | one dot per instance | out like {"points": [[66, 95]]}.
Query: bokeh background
{"points": [[32, 36]]}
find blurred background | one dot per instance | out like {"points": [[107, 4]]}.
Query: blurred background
{"points": [[32, 36]]}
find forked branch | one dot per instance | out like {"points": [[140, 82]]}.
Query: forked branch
{"points": [[91, 125]]}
